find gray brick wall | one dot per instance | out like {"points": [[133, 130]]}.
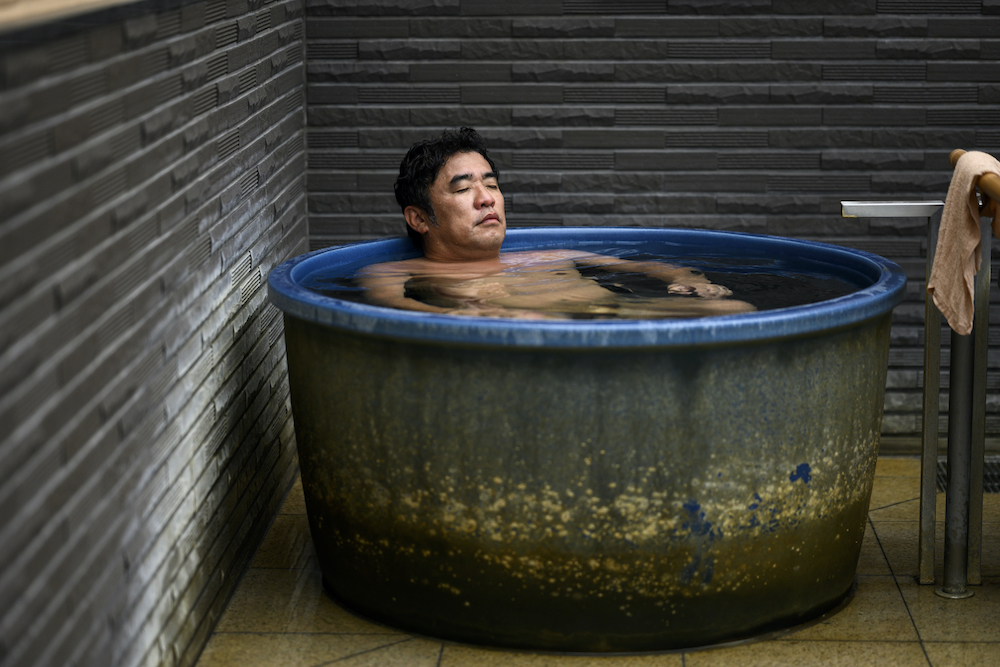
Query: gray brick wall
{"points": [[152, 173], [752, 116]]}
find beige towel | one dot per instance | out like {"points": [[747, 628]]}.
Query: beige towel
{"points": [[958, 256]]}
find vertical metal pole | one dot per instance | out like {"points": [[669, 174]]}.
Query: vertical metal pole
{"points": [[956, 528], [930, 419], [981, 330], [932, 370]]}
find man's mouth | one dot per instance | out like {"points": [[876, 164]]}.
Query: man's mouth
{"points": [[489, 217]]}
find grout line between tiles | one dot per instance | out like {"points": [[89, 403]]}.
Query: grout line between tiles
{"points": [[895, 579], [371, 650], [262, 633], [900, 502]]}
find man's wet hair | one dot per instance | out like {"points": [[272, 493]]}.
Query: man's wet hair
{"points": [[422, 163]]}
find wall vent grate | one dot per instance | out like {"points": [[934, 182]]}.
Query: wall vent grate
{"points": [[716, 139], [88, 87], [25, 151], [205, 101], [263, 20], [929, 7], [333, 50], [241, 270], [110, 186], [526, 160], [226, 35], [353, 161], [876, 72], [249, 182], [228, 145], [168, 25], [155, 62], [250, 286], [248, 80], [409, 95], [67, 54], [614, 95], [333, 139], [604, 7], [115, 326], [107, 116], [215, 10], [218, 66], [926, 94], [666, 117]]}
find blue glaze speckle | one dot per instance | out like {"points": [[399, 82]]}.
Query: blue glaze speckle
{"points": [[802, 472]]}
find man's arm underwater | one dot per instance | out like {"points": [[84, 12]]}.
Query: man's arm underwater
{"points": [[681, 280], [386, 285]]}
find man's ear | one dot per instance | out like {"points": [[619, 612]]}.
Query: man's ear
{"points": [[417, 219]]}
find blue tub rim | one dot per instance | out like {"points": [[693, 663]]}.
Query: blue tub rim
{"points": [[885, 292]]}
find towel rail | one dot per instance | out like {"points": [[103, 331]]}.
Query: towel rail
{"points": [[988, 184], [969, 569]]}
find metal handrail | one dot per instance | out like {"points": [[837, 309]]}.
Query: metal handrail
{"points": [[972, 440]]}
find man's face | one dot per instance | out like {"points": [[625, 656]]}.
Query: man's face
{"points": [[469, 210]]}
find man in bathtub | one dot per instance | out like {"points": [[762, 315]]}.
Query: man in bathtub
{"points": [[449, 192]]}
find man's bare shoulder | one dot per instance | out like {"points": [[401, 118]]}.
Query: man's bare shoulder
{"points": [[546, 256], [420, 267], [414, 266], [557, 255]]}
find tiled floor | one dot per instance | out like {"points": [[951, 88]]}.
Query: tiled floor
{"points": [[280, 615]]}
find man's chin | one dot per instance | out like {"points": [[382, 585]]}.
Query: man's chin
{"points": [[491, 228]]}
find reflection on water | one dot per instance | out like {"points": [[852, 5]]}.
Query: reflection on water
{"points": [[755, 284]]}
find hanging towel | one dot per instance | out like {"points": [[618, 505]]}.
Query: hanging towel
{"points": [[958, 255]]}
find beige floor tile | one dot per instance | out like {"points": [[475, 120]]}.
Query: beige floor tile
{"points": [[264, 601], [966, 654], [410, 653], [899, 541], [892, 501], [877, 612], [991, 508], [938, 619], [317, 612], [287, 544], [289, 650], [289, 601], [872, 561], [295, 502], [811, 654], [465, 656], [897, 466]]}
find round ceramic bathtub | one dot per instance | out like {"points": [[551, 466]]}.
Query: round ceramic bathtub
{"points": [[604, 486]]}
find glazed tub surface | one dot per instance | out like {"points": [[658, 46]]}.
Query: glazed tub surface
{"points": [[590, 486]]}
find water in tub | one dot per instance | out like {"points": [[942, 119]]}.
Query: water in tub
{"points": [[615, 283]]}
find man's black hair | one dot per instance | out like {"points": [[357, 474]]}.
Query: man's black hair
{"points": [[423, 162]]}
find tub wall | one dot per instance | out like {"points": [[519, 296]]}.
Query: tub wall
{"points": [[749, 116], [152, 172]]}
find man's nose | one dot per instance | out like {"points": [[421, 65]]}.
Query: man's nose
{"points": [[484, 198]]}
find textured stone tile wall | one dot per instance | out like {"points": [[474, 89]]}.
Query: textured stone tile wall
{"points": [[152, 173], [756, 116]]}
